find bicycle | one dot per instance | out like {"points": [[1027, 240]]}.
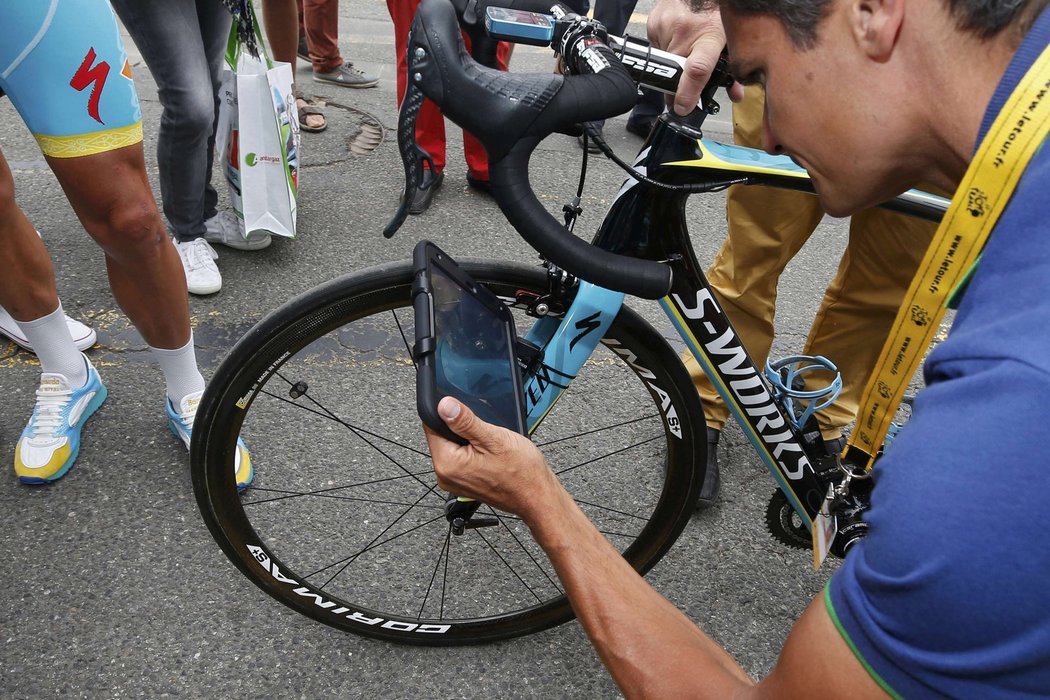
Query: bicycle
{"points": [[365, 541]]}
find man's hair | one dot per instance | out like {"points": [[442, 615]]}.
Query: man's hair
{"points": [[801, 18]]}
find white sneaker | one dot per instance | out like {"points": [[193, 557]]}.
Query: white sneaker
{"points": [[50, 442], [198, 260], [226, 229], [180, 421], [83, 336]]}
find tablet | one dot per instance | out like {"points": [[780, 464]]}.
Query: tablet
{"points": [[464, 345]]}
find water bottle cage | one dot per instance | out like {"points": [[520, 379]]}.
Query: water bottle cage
{"points": [[789, 377]]}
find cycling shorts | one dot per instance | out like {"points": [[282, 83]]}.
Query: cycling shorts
{"points": [[63, 65]]}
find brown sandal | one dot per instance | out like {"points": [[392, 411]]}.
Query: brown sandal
{"points": [[305, 110]]}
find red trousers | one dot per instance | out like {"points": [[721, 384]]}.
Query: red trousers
{"points": [[319, 23], [430, 124]]}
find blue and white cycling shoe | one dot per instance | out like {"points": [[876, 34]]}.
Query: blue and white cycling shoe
{"points": [[50, 442], [181, 423]]}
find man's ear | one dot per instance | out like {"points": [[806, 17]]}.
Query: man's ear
{"points": [[876, 25]]}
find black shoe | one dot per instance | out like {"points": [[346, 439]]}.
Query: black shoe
{"points": [[424, 194], [709, 491], [834, 447], [640, 128], [592, 147], [482, 186]]}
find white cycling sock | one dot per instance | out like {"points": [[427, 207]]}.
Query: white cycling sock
{"points": [[49, 336], [180, 371]]}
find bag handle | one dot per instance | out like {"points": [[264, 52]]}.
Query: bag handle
{"points": [[245, 33]]}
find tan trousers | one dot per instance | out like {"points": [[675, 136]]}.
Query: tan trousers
{"points": [[767, 227]]}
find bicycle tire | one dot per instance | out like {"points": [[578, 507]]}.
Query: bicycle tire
{"points": [[329, 495]]}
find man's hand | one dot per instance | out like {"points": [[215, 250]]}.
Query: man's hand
{"points": [[498, 467], [696, 35]]}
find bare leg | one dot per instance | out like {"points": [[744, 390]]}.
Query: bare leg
{"points": [[281, 20], [31, 293], [111, 195]]}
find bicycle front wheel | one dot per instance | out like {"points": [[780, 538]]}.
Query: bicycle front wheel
{"points": [[345, 523]]}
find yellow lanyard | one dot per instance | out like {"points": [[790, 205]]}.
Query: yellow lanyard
{"points": [[1015, 136]]}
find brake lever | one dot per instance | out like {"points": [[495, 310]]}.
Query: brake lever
{"points": [[413, 156], [483, 50]]}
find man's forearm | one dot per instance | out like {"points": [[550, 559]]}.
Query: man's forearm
{"points": [[650, 647]]}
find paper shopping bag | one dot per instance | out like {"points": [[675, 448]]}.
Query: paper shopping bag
{"points": [[257, 138]]}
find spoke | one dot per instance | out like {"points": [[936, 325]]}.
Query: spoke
{"points": [[610, 454], [326, 493], [610, 510], [433, 577], [596, 430], [326, 413], [444, 577], [350, 560], [369, 547], [507, 516], [522, 546], [356, 432], [509, 567], [404, 338]]}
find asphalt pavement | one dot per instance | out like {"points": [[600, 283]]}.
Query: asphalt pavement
{"points": [[112, 585]]}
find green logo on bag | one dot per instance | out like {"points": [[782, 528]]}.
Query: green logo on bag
{"points": [[252, 159]]}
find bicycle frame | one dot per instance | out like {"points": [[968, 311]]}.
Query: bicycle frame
{"points": [[647, 222]]}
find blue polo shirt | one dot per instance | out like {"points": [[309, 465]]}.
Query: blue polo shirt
{"points": [[949, 595]]}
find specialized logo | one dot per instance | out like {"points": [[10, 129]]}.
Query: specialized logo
{"points": [[87, 75], [586, 325], [639, 165], [742, 379], [669, 411], [270, 566]]}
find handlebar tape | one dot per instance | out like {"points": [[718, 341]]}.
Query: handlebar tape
{"points": [[509, 114]]}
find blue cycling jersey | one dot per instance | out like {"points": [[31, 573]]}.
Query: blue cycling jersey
{"points": [[63, 65]]}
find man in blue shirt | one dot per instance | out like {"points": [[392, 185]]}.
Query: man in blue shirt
{"points": [[947, 595]]}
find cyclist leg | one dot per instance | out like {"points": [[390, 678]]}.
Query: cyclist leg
{"points": [[119, 212], [88, 124], [31, 296], [31, 292]]}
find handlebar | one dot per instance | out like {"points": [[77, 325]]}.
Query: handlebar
{"points": [[510, 114]]}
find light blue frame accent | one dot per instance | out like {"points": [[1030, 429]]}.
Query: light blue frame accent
{"points": [[555, 336]]}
